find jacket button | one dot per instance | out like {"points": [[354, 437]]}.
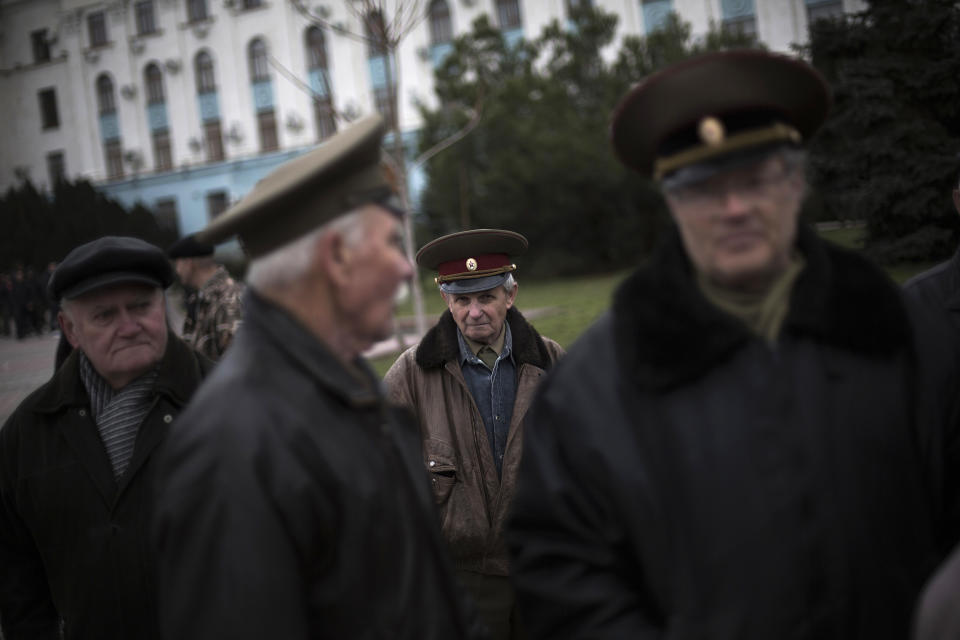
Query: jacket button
{"points": [[82, 412], [168, 418]]}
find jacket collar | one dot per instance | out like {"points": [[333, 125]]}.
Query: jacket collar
{"points": [[667, 333], [440, 344], [179, 376], [308, 353]]}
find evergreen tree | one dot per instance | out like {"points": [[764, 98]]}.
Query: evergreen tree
{"points": [[41, 227], [888, 152]]}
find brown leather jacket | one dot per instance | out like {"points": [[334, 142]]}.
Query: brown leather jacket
{"points": [[473, 502]]}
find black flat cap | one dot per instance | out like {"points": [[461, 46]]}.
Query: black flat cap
{"points": [[107, 261], [341, 174], [474, 260], [189, 247], [717, 104]]}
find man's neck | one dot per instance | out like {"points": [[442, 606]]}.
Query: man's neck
{"points": [[313, 306]]}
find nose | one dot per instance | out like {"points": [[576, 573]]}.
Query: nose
{"points": [[406, 269], [127, 324], [733, 203], [476, 309]]}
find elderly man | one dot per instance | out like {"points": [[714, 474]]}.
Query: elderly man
{"points": [[77, 456], [753, 442], [214, 308], [470, 381], [296, 505]]}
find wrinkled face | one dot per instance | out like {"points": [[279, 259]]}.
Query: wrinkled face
{"points": [[739, 226], [480, 315], [121, 329], [376, 266]]}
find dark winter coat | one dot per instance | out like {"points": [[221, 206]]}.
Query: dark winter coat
{"points": [[472, 498], [938, 290], [683, 479], [74, 544], [296, 504]]}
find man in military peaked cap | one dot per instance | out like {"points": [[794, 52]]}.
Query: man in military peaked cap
{"points": [[296, 505], [759, 439], [213, 299], [77, 456], [470, 381]]}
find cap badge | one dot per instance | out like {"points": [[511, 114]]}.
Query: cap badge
{"points": [[471, 264], [711, 131]]}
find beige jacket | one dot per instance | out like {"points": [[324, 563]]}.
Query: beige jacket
{"points": [[473, 502]]}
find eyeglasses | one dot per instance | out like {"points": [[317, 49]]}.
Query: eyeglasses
{"points": [[751, 183]]}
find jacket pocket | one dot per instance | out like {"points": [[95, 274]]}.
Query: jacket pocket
{"points": [[441, 462]]}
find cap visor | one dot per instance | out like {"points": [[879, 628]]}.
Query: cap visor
{"points": [[473, 285]]}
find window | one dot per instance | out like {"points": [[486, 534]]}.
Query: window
{"points": [[384, 105], [114, 157], [746, 25], [49, 118], [656, 13], [323, 114], [162, 158], [143, 12], [216, 203], [153, 81], [41, 47], [319, 83], [213, 141], [739, 16], [105, 101], [257, 54], [441, 28], [97, 29], [56, 167], [376, 33], [267, 126], [203, 65], [252, 4], [823, 9], [166, 214], [508, 14], [316, 49], [196, 10]]}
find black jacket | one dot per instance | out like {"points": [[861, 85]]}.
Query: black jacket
{"points": [[296, 504], [938, 290], [682, 479], [74, 544]]}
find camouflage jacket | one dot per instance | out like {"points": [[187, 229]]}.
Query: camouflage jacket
{"points": [[217, 316]]}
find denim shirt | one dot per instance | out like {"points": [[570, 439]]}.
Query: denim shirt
{"points": [[493, 392]]}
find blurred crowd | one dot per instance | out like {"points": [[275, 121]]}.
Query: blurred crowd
{"points": [[25, 306]]}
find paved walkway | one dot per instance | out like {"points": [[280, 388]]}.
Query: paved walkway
{"points": [[24, 365]]}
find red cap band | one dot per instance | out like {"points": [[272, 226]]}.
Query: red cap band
{"points": [[474, 266]]}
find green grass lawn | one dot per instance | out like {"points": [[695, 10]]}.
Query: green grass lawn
{"points": [[568, 306]]}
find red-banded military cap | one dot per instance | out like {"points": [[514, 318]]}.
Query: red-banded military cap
{"points": [[717, 105], [474, 260]]}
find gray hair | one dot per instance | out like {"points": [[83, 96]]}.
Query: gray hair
{"points": [[510, 283], [290, 262]]}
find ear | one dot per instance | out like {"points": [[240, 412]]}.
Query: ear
{"points": [[956, 200], [69, 328], [512, 296], [333, 256]]}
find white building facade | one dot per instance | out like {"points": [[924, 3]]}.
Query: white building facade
{"points": [[183, 105]]}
